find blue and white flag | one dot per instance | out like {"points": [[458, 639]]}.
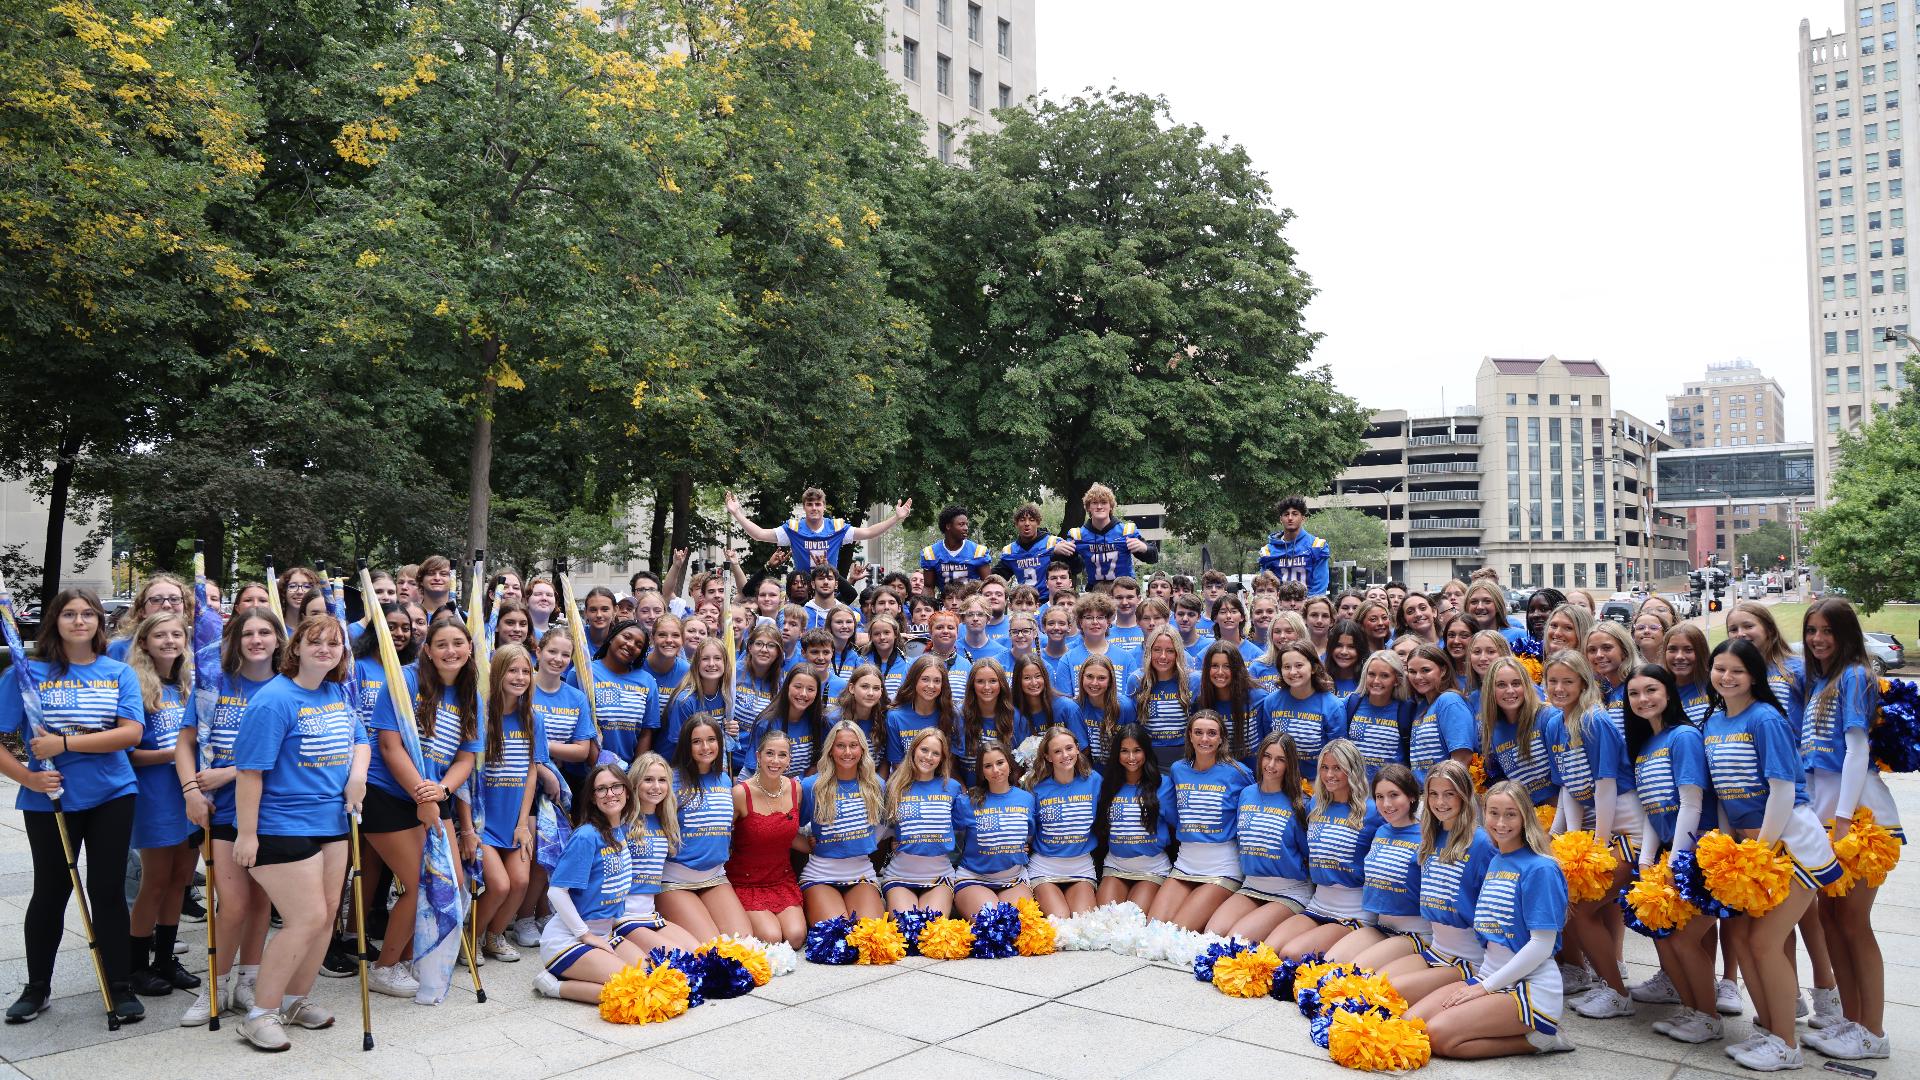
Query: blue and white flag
{"points": [[208, 679]]}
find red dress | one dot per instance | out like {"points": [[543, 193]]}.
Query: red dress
{"points": [[760, 869]]}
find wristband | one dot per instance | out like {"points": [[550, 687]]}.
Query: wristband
{"points": [[66, 744]]}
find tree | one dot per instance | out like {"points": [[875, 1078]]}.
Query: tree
{"points": [[1863, 540], [1352, 535], [1764, 545], [125, 138], [1113, 299]]}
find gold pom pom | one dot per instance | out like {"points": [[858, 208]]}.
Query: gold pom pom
{"points": [[878, 940], [633, 996], [754, 960], [947, 939], [1656, 902], [1588, 866], [1036, 935], [1867, 853], [1248, 974], [1745, 875], [1375, 1043]]}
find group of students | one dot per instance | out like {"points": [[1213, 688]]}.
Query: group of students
{"points": [[1293, 769]]}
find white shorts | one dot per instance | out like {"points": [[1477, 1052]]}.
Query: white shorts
{"points": [[1629, 817], [1412, 926], [1812, 849], [1340, 903], [1000, 879], [1292, 892], [1451, 944], [851, 870], [1153, 868], [556, 940], [1823, 796], [1540, 997], [676, 876], [917, 871], [1219, 863], [1059, 869]]}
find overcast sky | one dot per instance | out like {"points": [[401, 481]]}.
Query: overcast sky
{"points": [[1618, 182]]}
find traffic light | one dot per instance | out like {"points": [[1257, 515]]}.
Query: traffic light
{"points": [[1713, 601], [1781, 559]]}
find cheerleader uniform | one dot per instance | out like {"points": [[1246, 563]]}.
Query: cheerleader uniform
{"points": [[1524, 893], [1206, 803], [1136, 847], [1441, 728], [505, 776], [1272, 836], [1391, 887], [926, 830], [1063, 831], [647, 851], [229, 707], [389, 807], [1336, 844], [302, 743], [1601, 755], [704, 813], [758, 867], [1093, 720], [588, 890], [1534, 771], [999, 838], [160, 807], [1449, 894], [624, 706], [1313, 721], [1164, 716], [842, 848], [1744, 753], [1375, 731], [904, 725], [1841, 777]]}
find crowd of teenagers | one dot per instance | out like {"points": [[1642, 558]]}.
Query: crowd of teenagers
{"points": [[1294, 767]]}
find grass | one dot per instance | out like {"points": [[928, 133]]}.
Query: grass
{"points": [[1900, 620]]}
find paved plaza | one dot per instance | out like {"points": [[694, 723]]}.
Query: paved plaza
{"points": [[1072, 1015]]}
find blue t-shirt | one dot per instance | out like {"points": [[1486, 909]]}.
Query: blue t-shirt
{"points": [[750, 698], [1028, 562], [504, 779], [705, 816], [1744, 752], [683, 708], [990, 650], [1064, 815], [1164, 715], [1524, 891], [1670, 760], [1059, 712], [1602, 753], [1616, 698], [927, 821], [1696, 700], [1103, 553], [999, 831], [1449, 891], [1313, 721], [1788, 678], [301, 741], [160, 811], [647, 848], [597, 874], [437, 753], [666, 682], [950, 565], [1198, 650], [1337, 843], [1375, 731], [893, 670], [1093, 720], [1129, 834], [1066, 671], [1272, 835], [800, 735], [1206, 802], [564, 717], [1441, 728], [1533, 770], [851, 832], [1831, 708], [624, 706], [1392, 882], [84, 699], [905, 724], [371, 674], [813, 547], [229, 708]]}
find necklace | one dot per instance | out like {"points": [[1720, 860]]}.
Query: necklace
{"points": [[775, 794]]}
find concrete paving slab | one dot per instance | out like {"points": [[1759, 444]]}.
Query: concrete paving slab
{"points": [[922, 1006], [1163, 997], [813, 981], [710, 1016], [1076, 1044], [787, 1043], [941, 1061], [1223, 1059], [1042, 976]]}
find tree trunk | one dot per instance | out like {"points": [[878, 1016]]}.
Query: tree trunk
{"points": [[682, 509], [213, 533], [1073, 492], [657, 535], [480, 456], [57, 489]]}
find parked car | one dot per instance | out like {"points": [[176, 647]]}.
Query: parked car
{"points": [[1681, 603], [1620, 611], [1884, 652]]}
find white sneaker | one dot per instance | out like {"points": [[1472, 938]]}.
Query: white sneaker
{"points": [[1745, 1044], [265, 1032], [1726, 998], [1772, 1054], [1603, 1003], [546, 985], [202, 1008], [525, 932], [1695, 1027], [1557, 1043], [1826, 1008], [1852, 1043], [1800, 1007], [392, 981], [1658, 990], [243, 992], [1575, 980], [179, 948], [497, 947]]}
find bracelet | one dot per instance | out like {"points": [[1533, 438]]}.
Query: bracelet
{"points": [[190, 785], [66, 744]]}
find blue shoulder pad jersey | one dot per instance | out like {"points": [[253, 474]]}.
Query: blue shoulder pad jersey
{"points": [[814, 547], [949, 565], [1103, 553], [1026, 564], [1302, 559]]}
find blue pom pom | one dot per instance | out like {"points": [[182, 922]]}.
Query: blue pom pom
{"points": [[1283, 976], [1320, 1029], [1691, 882], [1309, 1000], [827, 942], [911, 922], [687, 964], [725, 976], [1895, 739], [1633, 921], [1203, 963], [1527, 646], [994, 929]]}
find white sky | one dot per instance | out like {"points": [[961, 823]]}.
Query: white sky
{"points": [[1611, 181]]}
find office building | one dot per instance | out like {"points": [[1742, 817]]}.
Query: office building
{"points": [[1420, 475], [1734, 405], [956, 60], [1852, 85]]}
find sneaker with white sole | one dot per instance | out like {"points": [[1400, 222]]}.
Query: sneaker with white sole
{"points": [[1826, 1008], [202, 1008], [265, 1032], [497, 947], [1800, 1009], [1557, 1043], [1759, 1036], [1695, 1027], [307, 1014], [1726, 998], [243, 992], [525, 932], [1771, 1054], [546, 984], [1576, 980], [393, 981], [1854, 1043], [1664, 1025], [1658, 990], [1604, 1003]]}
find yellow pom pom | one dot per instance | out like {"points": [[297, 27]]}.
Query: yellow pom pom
{"points": [[878, 940], [1655, 901], [1376, 1043], [947, 939], [1307, 976], [1588, 866], [1374, 989], [633, 996], [1867, 853], [1036, 933], [1477, 768], [1532, 667], [1248, 974], [749, 957], [1545, 812], [1745, 875]]}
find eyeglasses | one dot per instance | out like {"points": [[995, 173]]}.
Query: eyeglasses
{"points": [[608, 789], [166, 601]]}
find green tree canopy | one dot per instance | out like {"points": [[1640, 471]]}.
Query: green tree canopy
{"points": [[1863, 540], [1352, 534], [1763, 545]]}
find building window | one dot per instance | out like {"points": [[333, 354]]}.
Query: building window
{"points": [[1822, 141], [1867, 75], [1846, 137], [1866, 44], [1513, 575], [1873, 162], [1840, 80], [1873, 192], [1533, 399], [974, 93], [1879, 376], [1870, 133], [1900, 279], [1823, 169], [1899, 245], [1826, 223], [1006, 96], [1559, 575], [1826, 289], [1833, 380], [1846, 224], [1875, 248], [1869, 104], [973, 23], [1853, 342], [1895, 188], [1553, 399], [1873, 220], [1877, 283], [1891, 99], [1850, 288], [1849, 253], [1866, 15], [1819, 84], [1893, 131], [1887, 10], [1599, 575], [946, 145], [943, 10], [1513, 399], [1833, 418], [943, 75], [1826, 256], [1893, 159], [1846, 166], [1820, 113], [1853, 380], [1005, 40], [1890, 70], [1832, 341], [910, 59]]}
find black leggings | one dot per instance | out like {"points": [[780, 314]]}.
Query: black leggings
{"points": [[103, 832]]}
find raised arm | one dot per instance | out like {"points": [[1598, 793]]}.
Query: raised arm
{"points": [[764, 536], [868, 532]]}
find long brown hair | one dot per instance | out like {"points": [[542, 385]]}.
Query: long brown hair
{"points": [[466, 685], [1237, 707], [504, 658], [47, 647]]}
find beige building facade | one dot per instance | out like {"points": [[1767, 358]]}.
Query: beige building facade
{"points": [[957, 60], [1734, 404]]}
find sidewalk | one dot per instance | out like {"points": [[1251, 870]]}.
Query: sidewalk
{"points": [[1072, 1015]]}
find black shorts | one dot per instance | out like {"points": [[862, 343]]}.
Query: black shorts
{"points": [[383, 812], [225, 832], [275, 850]]}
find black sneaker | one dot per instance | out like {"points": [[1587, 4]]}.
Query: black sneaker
{"points": [[191, 910], [149, 983], [33, 1002], [340, 963], [127, 1007], [176, 973]]}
